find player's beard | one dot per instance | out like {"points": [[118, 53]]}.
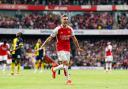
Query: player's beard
{"points": [[65, 24]]}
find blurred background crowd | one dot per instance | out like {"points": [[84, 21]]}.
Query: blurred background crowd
{"points": [[93, 54], [78, 20]]}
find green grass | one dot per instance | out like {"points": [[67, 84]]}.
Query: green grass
{"points": [[82, 79]]}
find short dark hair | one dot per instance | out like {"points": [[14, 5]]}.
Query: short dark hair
{"points": [[64, 15], [19, 34]]}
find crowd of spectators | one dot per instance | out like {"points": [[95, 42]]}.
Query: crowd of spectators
{"points": [[95, 51], [93, 21], [85, 20], [30, 21], [100, 21], [93, 54], [65, 2]]}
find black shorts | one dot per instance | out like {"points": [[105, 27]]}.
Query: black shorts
{"points": [[16, 56], [39, 58]]}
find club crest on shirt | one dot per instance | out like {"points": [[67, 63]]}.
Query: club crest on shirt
{"points": [[61, 32], [69, 32]]}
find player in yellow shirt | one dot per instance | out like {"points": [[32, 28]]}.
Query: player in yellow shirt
{"points": [[16, 47], [39, 64]]}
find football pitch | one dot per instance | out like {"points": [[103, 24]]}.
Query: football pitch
{"points": [[82, 79]]}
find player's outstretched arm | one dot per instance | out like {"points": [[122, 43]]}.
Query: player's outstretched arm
{"points": [[46, 42], [76, 43]]}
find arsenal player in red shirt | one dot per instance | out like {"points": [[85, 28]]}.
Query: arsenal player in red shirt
{"points": [[4, 50], [108, 56], [63, 34]]}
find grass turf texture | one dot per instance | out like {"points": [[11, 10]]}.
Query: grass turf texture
{"points": [[82, 79]]}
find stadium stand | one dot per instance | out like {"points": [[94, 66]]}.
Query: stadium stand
{"points": [[83, 20]]}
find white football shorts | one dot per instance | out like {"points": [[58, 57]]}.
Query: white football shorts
{"points": [[63, 56], [109, 59], [3, 58]]}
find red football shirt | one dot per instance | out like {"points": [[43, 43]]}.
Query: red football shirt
{"points": [[4, 49], [108, 50], [63, 35]]}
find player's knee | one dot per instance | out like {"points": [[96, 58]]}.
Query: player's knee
{"points": [[40, 61]]}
